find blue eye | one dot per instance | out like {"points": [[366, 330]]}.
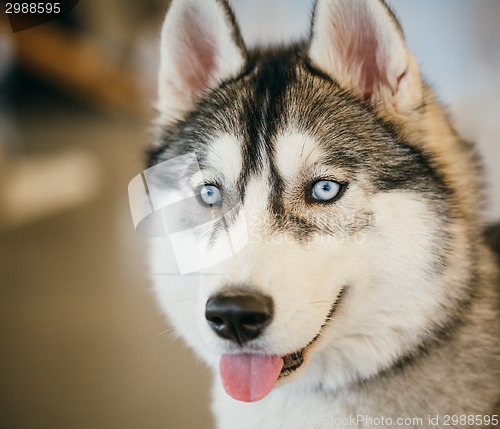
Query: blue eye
{"points": [[325, 190], [210, 195]]}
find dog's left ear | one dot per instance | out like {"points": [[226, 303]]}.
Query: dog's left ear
{"points": [[360, 44], [200, 48]]}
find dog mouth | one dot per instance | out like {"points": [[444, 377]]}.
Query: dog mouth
{"points": [[293, 361], [249, 377]]}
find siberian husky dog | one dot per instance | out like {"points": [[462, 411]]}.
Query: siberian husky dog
{"points": [[323, 217]]}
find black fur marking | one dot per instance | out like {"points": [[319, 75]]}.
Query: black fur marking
{"points": [[274, 72], [492, 236]]}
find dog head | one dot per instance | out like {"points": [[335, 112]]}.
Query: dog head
{"points": [[314, 196]]}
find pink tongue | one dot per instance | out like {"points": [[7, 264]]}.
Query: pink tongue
{"points": [[249, 377]]}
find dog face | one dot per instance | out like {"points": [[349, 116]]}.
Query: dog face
{"points": [[322, 225]]}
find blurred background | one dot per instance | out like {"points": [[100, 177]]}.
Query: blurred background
{"points": [[83, 343]]}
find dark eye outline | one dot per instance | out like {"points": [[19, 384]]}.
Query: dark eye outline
{"points": [[310, 198], [200, 198]]}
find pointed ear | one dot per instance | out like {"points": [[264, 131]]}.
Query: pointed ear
{"points": [[200, 47], [360, 44]]}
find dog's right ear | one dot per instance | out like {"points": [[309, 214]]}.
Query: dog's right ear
{"points": [[201, 46]]}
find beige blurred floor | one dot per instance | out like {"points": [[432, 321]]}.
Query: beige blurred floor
{"points": [[80, 333]]}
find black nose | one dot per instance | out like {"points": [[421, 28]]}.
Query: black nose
{"points": [[239, 317]]}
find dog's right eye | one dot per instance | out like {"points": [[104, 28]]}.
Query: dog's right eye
{"points": [[210, 195]]}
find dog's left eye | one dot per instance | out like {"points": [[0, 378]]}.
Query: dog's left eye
{"points": [[325, 190], [210, 194]]}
